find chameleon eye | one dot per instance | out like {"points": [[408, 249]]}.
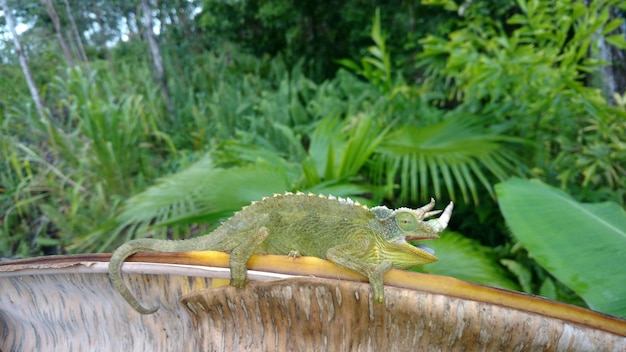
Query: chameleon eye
{"points": [[406, 221]]}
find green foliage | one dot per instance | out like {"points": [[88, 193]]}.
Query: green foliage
{"points": [[319, 31], [340, 149], [98, 139], [376, 67], [479, 263], [452, 148], [452, 154], [200, 194], [532, 277], [499, 88], [556, 230], [529, 82], [114, 127], [598, 156], [205, 193]]}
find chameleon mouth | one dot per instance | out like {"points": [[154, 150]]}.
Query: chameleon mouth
{"points": [[425, 248], [420, 246], [420, 238]]}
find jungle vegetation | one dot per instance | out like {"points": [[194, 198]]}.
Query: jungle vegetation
{"points": [[162, 118]]}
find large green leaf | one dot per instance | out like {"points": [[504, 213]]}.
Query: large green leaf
{"points": [[582, 245], [455, 154]]}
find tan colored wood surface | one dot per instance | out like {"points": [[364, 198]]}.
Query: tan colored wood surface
{"points": [[306, 314], [68, 304], [80, 312]]}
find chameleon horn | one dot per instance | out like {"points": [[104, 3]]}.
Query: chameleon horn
{"points": [[424, 211], [444, 219], [438, 225], [431, 213]]}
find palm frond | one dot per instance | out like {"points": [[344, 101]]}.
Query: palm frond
{"points": [[202, 193], [455, 155]]}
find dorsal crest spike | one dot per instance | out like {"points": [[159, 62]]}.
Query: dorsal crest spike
{"points": [[341, 200]]}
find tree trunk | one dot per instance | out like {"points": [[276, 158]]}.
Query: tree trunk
{"points": [[24, 63], [107, 52], [611, 79], [157, 58], [76, 33], [57, 29], [614, 74]]}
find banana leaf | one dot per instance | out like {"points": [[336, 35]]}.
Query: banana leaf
{"points": [[582, 245]]}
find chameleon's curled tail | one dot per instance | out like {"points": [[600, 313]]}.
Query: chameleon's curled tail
{"points": [[148, 245], [115, 269]]}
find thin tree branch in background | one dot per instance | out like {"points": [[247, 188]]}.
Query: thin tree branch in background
{"points": [[76, 33], [23, 62], [57, 29], [157, 59]]}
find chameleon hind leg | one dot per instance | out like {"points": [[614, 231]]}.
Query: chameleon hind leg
{"points": [[240, 254], [351, 256]]}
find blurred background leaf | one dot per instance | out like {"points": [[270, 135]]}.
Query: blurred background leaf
{"points": [[582, 245]]}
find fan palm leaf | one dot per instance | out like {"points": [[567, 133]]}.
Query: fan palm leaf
{"points": [[455, 154], [202, 193]]}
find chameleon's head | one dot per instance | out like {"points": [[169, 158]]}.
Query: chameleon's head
{"points": [[411, 221], [404, 224]]}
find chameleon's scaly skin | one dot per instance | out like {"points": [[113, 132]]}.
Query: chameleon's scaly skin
{"points": [[368, 241]]}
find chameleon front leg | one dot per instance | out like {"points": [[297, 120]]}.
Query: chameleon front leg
{"points": [[345, 255], [241, 253]]}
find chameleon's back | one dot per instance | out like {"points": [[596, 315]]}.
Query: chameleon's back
{"points": [[306, 224]]}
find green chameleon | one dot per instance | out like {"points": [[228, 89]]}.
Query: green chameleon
{"points": [[368, 241]]}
